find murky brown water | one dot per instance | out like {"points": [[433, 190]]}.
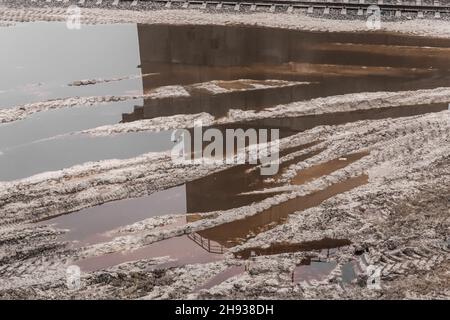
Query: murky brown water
{"points": [[213, 241], [179, 249], [218, 104], [220, 191], [333, 63], [225, 189], [221, 277], [89, 225], [238, 231]]}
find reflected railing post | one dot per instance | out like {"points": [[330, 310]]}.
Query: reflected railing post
{"points": [[206, 243]]}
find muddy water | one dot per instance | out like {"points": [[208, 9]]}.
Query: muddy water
{"points": [[52, 154], [218, 104], [90, 225], [219, 191], [236, 232], [225, 190], [334, 63], [180, 250]]}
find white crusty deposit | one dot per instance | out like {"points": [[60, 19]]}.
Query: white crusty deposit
{"points": [[297, 21]]}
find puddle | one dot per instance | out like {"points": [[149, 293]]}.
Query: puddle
{"points": [[237, 232], [314, 270], [89, 225], [326, 168], [278, 248], [185, 55], [210, 45], [219, 191], [208, 245], [218, 104], [321, 85], [53, 154], [45, 125], [41, 59], [71, 150], [181, 249], [38, 61], [211, 193]]}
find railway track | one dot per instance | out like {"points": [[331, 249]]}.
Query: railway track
{"points": [[397, 8]]}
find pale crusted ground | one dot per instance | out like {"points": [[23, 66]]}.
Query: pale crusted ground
{"points": [[299, 21]]}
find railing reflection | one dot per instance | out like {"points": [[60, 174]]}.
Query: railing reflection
{"points": [[207, 244]]}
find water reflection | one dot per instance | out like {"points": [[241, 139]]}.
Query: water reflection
{"points": [[38, 60], [242, 62], [238, 231], [333, 63], [219, 191]]}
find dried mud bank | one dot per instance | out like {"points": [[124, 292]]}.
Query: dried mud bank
{"points": [[17, 13]]}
